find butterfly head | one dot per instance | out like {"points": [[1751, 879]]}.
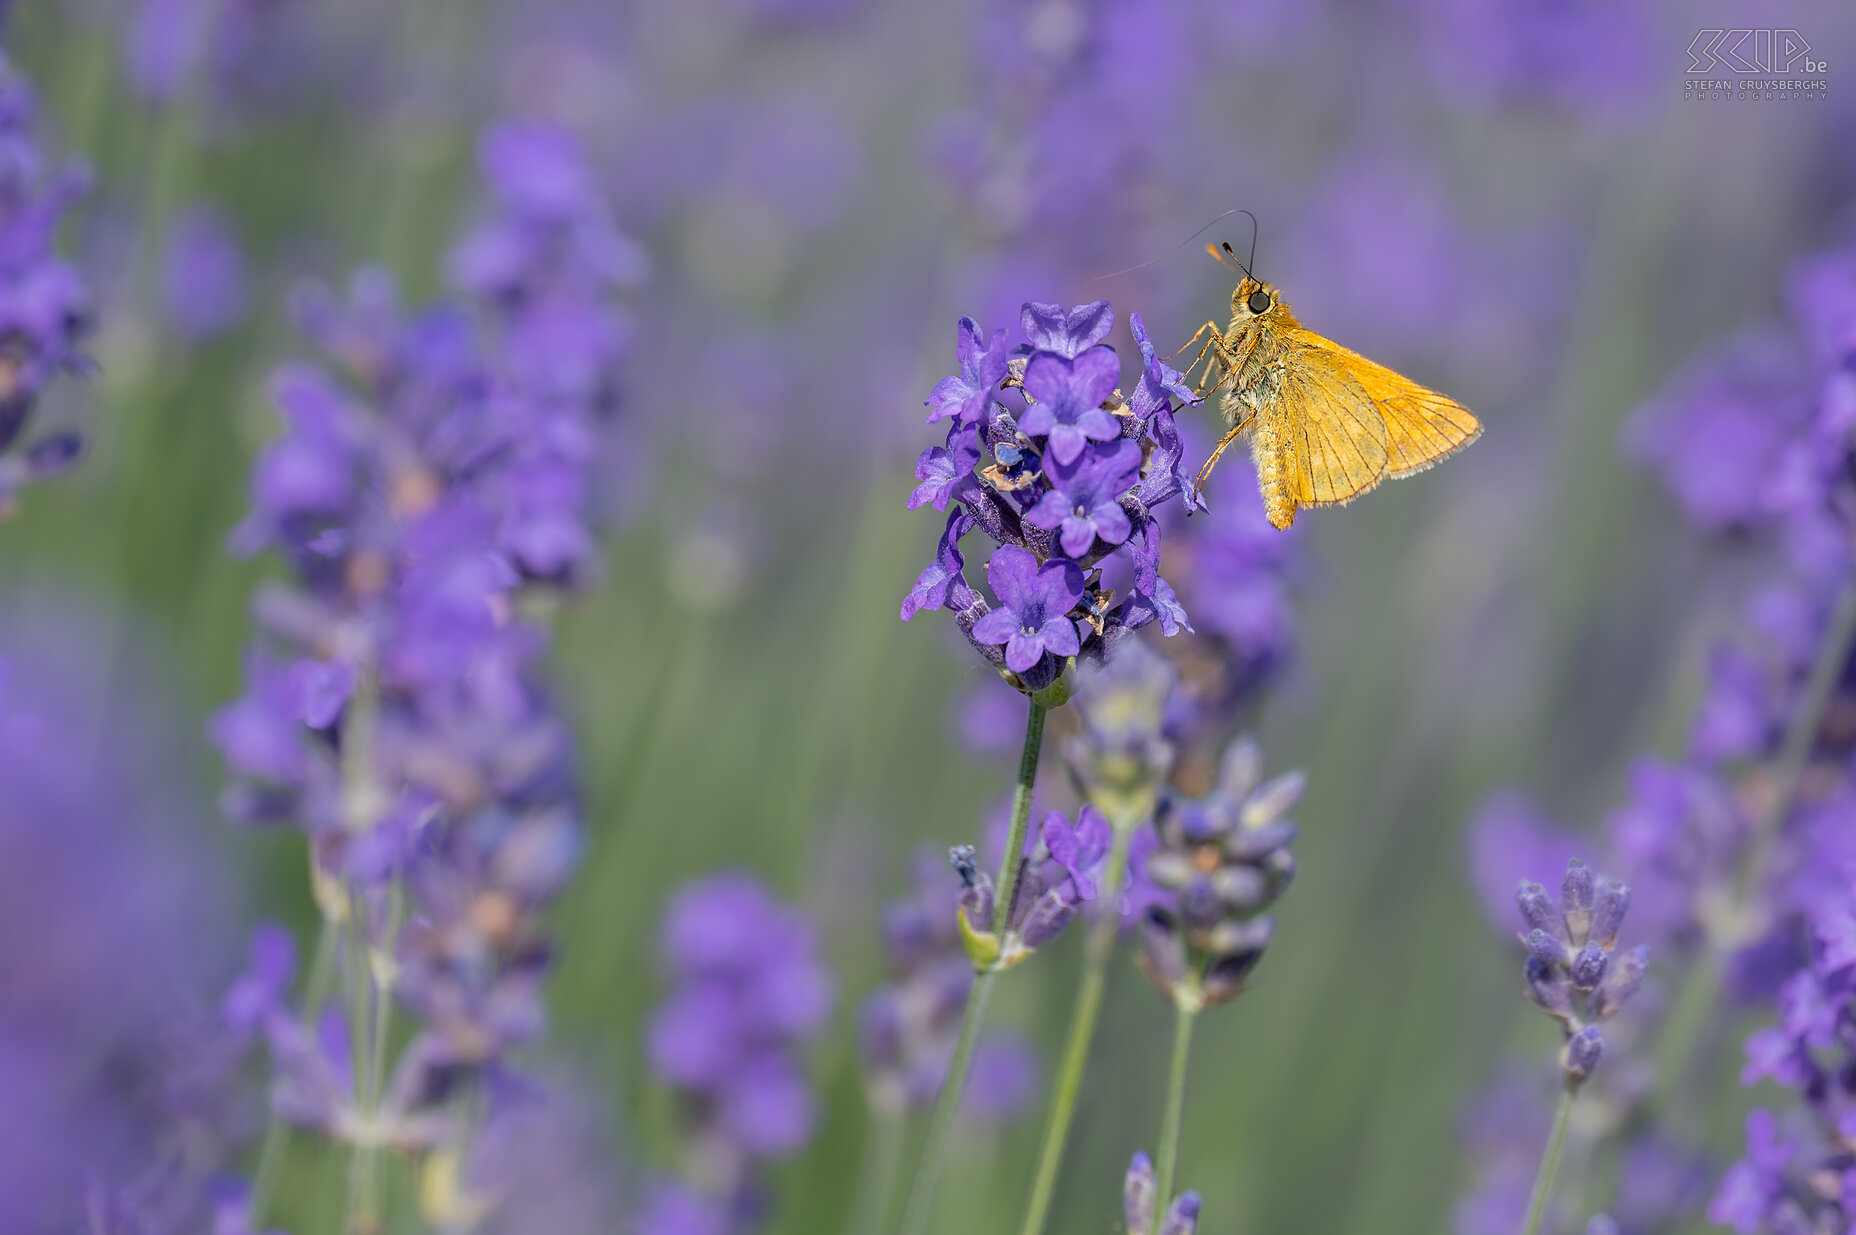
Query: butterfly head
{"points": [[1253, 298]]}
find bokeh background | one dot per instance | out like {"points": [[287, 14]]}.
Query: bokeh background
{"points": [[1513, 203]]}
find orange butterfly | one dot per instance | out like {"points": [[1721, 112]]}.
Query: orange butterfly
{"points": [[1325, 424]]}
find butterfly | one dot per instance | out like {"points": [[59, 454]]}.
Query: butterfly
{"points": [[1325, 423]]}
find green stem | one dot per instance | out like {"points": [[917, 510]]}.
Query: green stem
{"points": [[947, 1104], [1549, 1164], [1174, 1116], [1097, 951], [876, 1178], [1011, 862]]}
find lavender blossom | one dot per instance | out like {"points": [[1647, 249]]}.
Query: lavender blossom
{"points": [[45, 306], [1204, 871], [1140, 1205], [429, 478], [115, 913], [203, 277], [1070, 494], [1571, 972], [1058, 874], [749, 992]]}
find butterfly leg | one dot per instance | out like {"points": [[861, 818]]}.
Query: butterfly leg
{"points": [[1216, 340], [1211, 326], [1231, 367], [1205, 472]]}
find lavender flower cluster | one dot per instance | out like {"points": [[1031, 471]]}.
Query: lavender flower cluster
{"points": [[45, 310], [750, 992], [1204, 871], [393, 711], [1072, 479]]}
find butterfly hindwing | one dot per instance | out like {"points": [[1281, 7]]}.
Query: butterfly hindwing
{"points": [[1421, 425]]}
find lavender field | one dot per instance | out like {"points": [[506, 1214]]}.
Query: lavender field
{"points": [[611, 625]]}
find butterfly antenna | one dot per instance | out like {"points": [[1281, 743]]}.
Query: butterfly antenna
{"points": [[1176, 248], [1255, 227]]}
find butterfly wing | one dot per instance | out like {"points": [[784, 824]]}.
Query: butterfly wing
{"points": [[1334, 434], [1421, 425]]}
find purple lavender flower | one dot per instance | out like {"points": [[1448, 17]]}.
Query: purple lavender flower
{"points": [[945, 471], [1080, 848], [1571, 972], [115, 916], [1034, 599], [431, 475], [1717, 432], [750, 992], [203, 277], [967, 396], [1059, 872], [45, 311], [1068, 335], [1066, 397], [1140, 1203], [1060, 515], [1083, 499], [1203, 872]]}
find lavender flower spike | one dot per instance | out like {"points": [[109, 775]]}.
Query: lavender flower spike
{"points": [[1077, 477], [1571, 971]]}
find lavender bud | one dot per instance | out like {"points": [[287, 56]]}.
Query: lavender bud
{"points": [[1274, 800], [1613, 900], [1546, 989], [1256, 844], [1200, 905], [1622, 982], [1231, 938], [1588, 968], [1580, 1056], [1576, 899], [1244, 889], [1137, 1194], [1538, 910], [1163, 952], [1047, 918], [1169, 868], [1280, 867], [1546, 947], [53, 454], [1224, 977], [1183, 1217], [1602, 1224], [976, 898]]}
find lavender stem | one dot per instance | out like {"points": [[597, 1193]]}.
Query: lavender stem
{"points": [[1550, 1163], [876, 1177], [1097, 951], [1695, 1001], [947, 1104], [1175, 1112], [1795, 749]]}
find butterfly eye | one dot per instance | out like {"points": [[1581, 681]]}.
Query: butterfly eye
{"points": [[1259, 302]]}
